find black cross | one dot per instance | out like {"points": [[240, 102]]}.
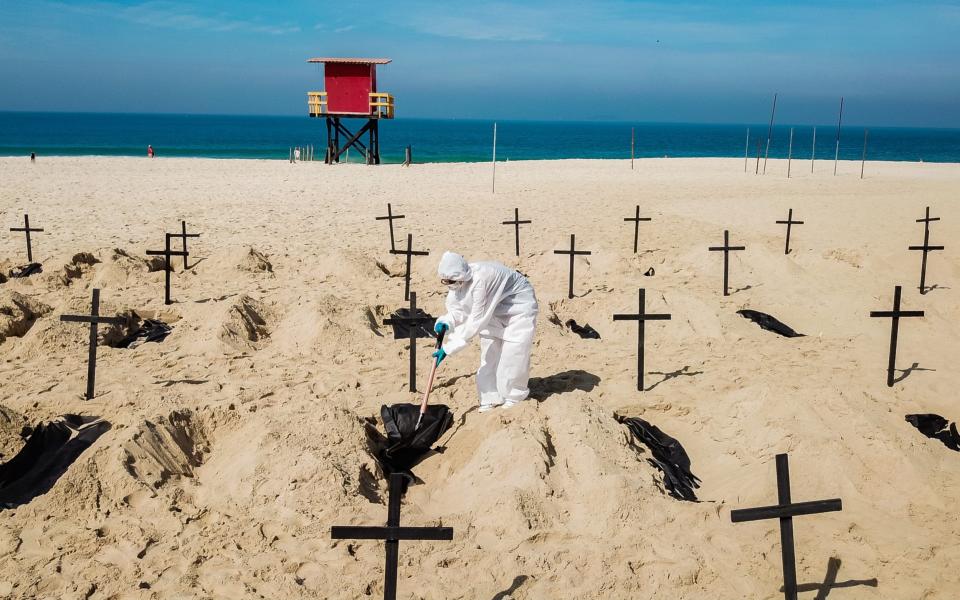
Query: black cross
{"points": [[785, 511], [166, 253], [926, 247], [27, 229], [413, 321], [410, 254], [516, 222], [573, 254], [184, 235], [392, 534], [389, 218], [788, 223], [636, 227], [641, 317], [894, 314], [927, 218], [726, 249], [94, 319]]}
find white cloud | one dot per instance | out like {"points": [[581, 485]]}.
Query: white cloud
{"points": [[175, 15]]}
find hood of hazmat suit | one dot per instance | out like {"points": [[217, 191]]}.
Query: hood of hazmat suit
{"points": [[454, 267]]}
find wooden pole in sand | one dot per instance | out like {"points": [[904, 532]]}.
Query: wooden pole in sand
{"points": [[863, 160], [790, 153], [813, 149], [493, 189], [746, 151], [631, 147], [836, 154], [769, 134]]}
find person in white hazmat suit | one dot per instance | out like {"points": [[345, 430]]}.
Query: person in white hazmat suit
{"points": [[498, 304]]}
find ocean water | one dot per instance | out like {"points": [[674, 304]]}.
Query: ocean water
{"points": [[435, 140]]}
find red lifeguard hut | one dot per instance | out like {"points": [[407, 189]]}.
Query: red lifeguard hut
{"points": [[351, 93]]}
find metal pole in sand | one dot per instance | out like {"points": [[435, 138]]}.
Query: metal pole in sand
{"points": [[790, 153], [769, 133], [631, 147], [759, 145], [813, 149], [836, 154], [863, 160], [746, 151], [493, 189]]}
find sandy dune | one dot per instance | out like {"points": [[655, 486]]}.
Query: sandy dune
{"points": [[238, 441]]}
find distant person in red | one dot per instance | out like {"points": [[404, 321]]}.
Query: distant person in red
{"points": [[149, 151]]}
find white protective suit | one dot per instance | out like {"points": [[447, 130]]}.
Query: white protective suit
{"points": [[499, 304]]}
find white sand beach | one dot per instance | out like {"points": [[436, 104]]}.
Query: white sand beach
{"points": [[239, 440]]}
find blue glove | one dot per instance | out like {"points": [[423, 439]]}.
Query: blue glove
{"points": [[440, 355], [439, 327]]}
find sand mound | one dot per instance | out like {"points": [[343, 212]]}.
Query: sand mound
{"points": [[12, 425], [254, 261], [78, 266], [505, 507], [131, 263], [246, 325], [394, 266], [170, 446], [18, 313], [121, 268], [323, 323]]}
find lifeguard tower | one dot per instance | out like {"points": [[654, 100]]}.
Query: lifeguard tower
{"points": [[351, 93]]}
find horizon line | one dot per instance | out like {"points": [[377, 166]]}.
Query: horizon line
{"points": [[475, 119]]}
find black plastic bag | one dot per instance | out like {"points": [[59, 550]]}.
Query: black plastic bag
{"points": [[26, 270], [401, 329], [406, 444], [151, 330], [668, 456], [768, 323], [51, 448], [936, 427], [585, 331]]}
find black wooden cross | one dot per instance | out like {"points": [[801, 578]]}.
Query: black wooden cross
{"points": [[573, 254], [726, 249], [641, 317], [926, 247], [27, 229], [895, 315], [184, 235], [93, 319], [410, 254], [927, 218], [785, 511], [166, 253], [389, 218], [789, 222], [392, 534], [412, 320], [516, 222], [636, 227]]}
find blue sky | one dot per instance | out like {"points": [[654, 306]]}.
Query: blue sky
{"points": [[895, 62]]}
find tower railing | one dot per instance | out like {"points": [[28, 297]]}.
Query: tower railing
{"points": [[317, 103], [381, 105]]}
